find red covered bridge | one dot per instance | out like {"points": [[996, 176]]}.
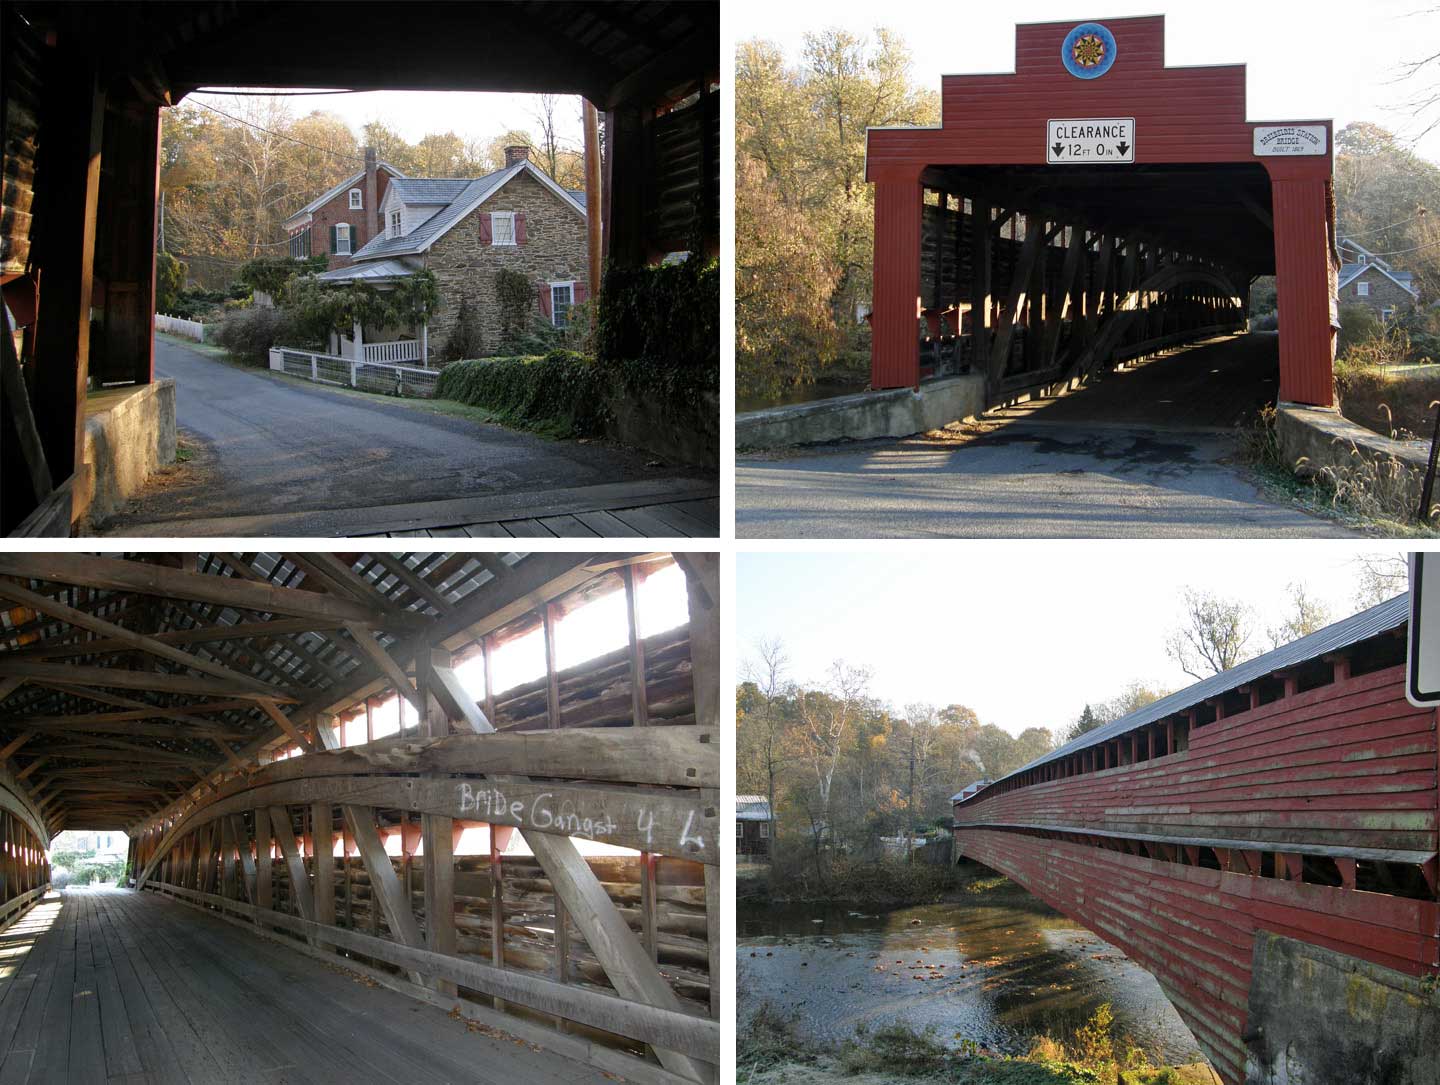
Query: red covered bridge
{"points": [[1095, 206], [1264, 842]]}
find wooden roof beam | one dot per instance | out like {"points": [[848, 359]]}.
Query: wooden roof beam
{"points": [[123, 679], [118, 574]]}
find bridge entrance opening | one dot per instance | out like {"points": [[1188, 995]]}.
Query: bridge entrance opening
{"points": [[1071, 218]]}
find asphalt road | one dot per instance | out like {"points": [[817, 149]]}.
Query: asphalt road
{"points": [[268, 444], [1148, 453]]}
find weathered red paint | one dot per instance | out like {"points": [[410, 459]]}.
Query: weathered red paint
{"points": [[1191, 115], [1347, 764]]}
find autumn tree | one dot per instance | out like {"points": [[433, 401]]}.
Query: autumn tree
{"points": [[1212, 634], [1306, 615]]}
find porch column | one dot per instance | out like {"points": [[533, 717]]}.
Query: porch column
{"points": [[425, 343], [1298, 193], [359, 340], [895, 344]]}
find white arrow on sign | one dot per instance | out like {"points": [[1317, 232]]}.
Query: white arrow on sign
{"points": [[1086, 141], [1422, 671]]}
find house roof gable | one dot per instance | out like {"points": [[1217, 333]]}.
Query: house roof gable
{"points": [[442, 222], [1404, 280], [349, 182]]}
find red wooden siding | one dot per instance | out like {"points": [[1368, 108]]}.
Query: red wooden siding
{"points": [[1190, 115], [1350, 764]]}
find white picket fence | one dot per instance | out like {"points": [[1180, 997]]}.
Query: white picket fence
{"points": [[190, 329], [402, 380], [402, 350]]}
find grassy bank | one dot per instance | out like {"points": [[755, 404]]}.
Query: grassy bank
{"points": [[772, 1050], [876, 883]]}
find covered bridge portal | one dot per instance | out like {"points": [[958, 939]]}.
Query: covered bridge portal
{"points": [[377, 767], [1094, 206], [82, 85], [1264, 842]]}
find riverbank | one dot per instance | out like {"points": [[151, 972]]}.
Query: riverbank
{"points": [[772, 1051], [874, 884]]}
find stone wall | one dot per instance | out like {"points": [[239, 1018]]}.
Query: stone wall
{"points": [[1385, 292], [898, 412], [554, 249], [129, 435]]}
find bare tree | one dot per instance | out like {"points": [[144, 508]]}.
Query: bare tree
{"points": [[826, 718], [1379, 577], [1307, 614], [1422, 77], [1211, 636], [767, 671]]}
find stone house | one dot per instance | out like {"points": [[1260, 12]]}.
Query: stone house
{"points": [[1366, 279], [466, 231], [339, 222]]}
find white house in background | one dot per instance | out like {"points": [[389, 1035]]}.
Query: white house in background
{"points": [[106, 845]]}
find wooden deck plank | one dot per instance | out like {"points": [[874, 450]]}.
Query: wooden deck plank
{"points": [[135, 987], [607, 526], [571, 527], [527, 529], [692, 526], [645, 522], [486, 531]]}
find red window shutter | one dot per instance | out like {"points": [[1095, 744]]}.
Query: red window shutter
{"points": [[543, 289], [519, 227], [581, 293], [486, 234]]}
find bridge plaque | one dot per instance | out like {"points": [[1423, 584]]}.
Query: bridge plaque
{"points": [[1084, 142], [1422, 679], [1278, 140]]}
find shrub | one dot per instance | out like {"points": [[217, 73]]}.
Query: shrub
{"points": [[1357, 325], [658, 329], [562, 394], [169, 281], [465, 340], [1265, 322], [248, 334], [895, 1050]]}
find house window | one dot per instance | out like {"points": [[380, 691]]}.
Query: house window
{"points": [[300, 244], [502, 225], [355, 202], [1386, 313], [764, 829], [562, 297], [739, 830], [395, 218], [342, 239], [1362, 290]]}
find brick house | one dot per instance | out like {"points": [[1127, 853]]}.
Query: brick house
{"points": [[466, 231], [339, 222], [1366, 279]]}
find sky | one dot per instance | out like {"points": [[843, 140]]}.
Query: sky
{"points": [[1305, 60], [418, 113], [1024, 633]]}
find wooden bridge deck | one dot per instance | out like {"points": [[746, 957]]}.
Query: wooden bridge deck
{"points": [[113, 985]]}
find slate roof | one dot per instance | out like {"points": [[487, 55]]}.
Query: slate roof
{"points": [[428, 190], [1350, 272], [1369, 623], [371, 270], [349, 182], [437, 223]]}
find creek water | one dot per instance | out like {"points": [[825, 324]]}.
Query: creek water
{"points": [[997, 968]]}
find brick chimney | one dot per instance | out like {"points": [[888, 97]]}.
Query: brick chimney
{"points": [[519, 153], [372, 195]]}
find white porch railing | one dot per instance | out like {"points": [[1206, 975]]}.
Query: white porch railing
{"points": [[403, 350], [190, 329], [401, 380]]}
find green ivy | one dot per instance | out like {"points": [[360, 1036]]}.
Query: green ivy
{"points": [[318, 308], [658, 329], [516, 295], [561, 394], [272, 274]]}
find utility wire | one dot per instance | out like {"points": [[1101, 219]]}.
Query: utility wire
{"points": [[1381, 229], [280, 135]]}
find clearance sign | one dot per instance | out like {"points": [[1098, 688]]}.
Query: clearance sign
{"points": [[1084, 142]]}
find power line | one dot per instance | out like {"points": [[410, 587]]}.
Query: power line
{"points": [[280, 135], [1381, 229]]}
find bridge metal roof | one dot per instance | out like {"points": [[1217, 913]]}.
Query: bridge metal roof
{"points": [[1389, 615]]}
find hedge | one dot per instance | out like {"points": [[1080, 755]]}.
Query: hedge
{"points": [[562, 394], [658, 329]]}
